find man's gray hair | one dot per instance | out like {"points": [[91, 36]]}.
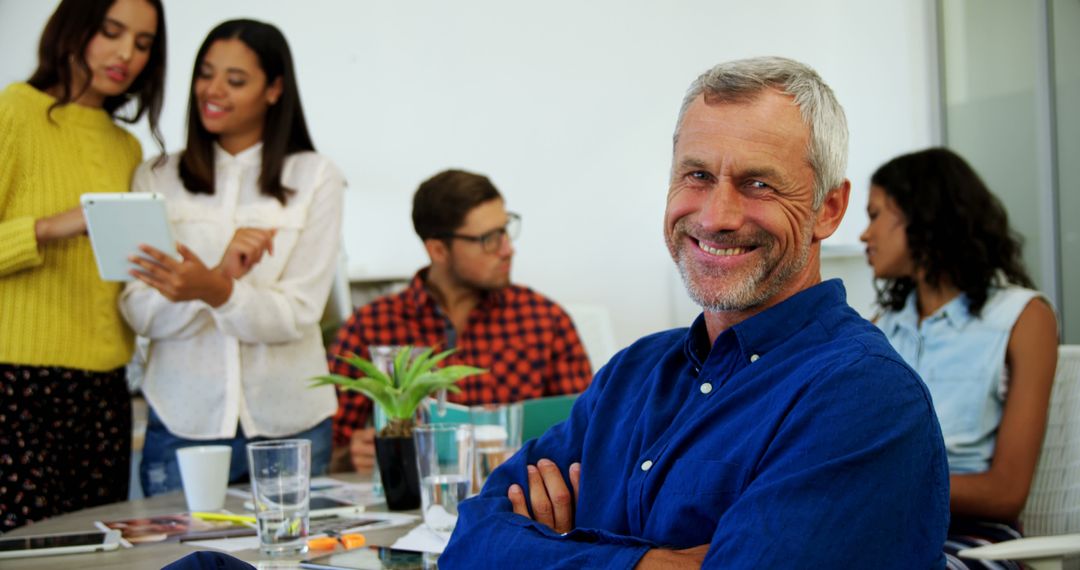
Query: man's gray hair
{"points": [[743, 80]]}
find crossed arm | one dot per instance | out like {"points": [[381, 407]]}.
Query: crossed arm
{"points": [[553, 504]]}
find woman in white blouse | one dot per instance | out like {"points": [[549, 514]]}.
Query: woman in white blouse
{"points": [[233, 320]]}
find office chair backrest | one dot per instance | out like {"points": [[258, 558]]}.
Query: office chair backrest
{"points": [[593, 324], [1053, 506]]}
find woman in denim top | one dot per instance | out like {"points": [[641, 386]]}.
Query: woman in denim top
{"points": [[958, 305]]}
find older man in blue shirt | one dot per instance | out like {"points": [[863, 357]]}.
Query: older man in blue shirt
{"points": [[780, 429]]}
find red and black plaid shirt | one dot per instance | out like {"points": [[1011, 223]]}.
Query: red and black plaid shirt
{"points": [[527, 343]]}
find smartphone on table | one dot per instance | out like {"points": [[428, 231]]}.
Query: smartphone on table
{"points": [[373, 558], [59, 543]]}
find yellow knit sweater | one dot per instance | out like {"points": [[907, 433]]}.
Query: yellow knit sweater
{"points": [[54, 308]]}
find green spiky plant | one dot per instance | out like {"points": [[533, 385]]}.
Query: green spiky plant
{"points": [[399, 393]]}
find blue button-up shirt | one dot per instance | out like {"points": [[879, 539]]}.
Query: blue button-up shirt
{"points": [[798, 439]]}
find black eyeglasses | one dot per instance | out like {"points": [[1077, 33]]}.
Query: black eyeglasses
{"points": [[491, 241]]}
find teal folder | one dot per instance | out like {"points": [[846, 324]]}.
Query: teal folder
{"points": [[451, 414], [542, 413], [538, 414]]}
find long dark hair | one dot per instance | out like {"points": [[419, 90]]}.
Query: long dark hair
{"points": [[63, 44], [957, 231], [285, 131]]}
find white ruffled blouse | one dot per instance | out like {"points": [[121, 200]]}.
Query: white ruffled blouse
{"points": [[247, 361]]}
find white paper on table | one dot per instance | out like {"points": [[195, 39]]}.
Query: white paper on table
{"points": [[355, 493], [227, 544], [123, 542], [365, 521], [423, 539], [387, 519]]}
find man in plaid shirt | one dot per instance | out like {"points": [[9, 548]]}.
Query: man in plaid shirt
{"points": [[463, 300]]}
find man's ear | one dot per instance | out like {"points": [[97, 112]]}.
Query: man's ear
{"points": [[438, 251], [831, 212]]}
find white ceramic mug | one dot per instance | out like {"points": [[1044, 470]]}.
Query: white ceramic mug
{"points": [[204, 470]]}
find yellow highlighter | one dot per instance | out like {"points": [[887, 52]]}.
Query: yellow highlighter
{"points": [[243, 519]]}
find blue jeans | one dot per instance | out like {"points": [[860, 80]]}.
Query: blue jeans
{"points": [[159, 471]]}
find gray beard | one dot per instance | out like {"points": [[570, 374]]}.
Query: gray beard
{"points": [[753, 290]]}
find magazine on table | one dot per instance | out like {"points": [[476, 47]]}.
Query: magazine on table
{"points": [[174, 527]]}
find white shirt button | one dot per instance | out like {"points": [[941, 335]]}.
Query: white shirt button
{"points": [[754, 357], [646, 465], [706, 388]]}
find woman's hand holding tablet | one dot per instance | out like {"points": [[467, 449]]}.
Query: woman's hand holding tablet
{"points": [[184, 280], [118, 223]]}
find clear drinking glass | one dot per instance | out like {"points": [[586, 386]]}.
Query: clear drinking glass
{"points": [[497, 432], [444, 456], [280, 485]]}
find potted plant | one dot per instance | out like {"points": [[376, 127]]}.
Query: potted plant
{"points": [[399, 392]]}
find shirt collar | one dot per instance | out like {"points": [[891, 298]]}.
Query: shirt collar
{"points": [[417, 294], [768, 329], [955, 313], [248, 157]]}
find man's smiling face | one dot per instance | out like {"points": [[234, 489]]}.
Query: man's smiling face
{"points": [[739, 220]]}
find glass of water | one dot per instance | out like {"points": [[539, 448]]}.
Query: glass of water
{"points": [[280, 485], [444, 455], [497, 433]]}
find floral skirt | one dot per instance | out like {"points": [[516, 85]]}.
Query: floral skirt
{"points": [[65, 441]]}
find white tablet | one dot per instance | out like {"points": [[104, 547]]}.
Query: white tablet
{"points": [[118, 223], [65, 543]]}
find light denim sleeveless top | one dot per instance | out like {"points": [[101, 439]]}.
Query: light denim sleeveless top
{"points": [[961, 358]]}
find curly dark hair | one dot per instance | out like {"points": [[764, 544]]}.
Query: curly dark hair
{"points": [[957, 231]]}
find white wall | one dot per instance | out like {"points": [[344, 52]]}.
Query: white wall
{"points": [[568, 106]]}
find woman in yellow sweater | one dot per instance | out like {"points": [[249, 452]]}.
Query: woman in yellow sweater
{"points": [[65, 423]]}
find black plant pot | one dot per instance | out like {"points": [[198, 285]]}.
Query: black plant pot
{"points": [[397, 468]]}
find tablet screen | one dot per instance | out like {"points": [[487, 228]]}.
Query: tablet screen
{"points": [[118, 223]]}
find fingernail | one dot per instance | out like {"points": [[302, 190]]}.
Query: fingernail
{"points": [[532, 469], [545, 462], [515, 489]]}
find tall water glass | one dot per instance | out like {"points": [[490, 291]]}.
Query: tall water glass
{"points": [[444, 457], [280, 485], [497, 432]]}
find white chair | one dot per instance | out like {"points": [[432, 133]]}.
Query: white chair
{"points": [[593, 324], [1051, 518]]}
